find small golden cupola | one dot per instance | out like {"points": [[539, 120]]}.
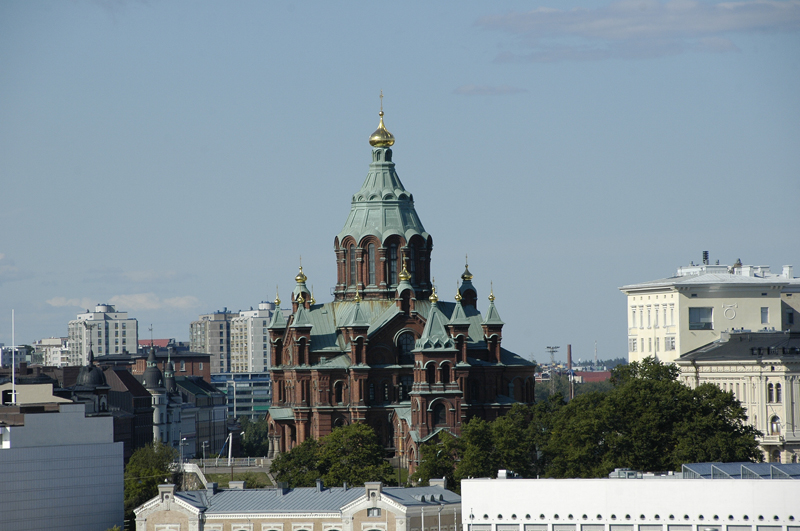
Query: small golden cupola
{"points": [[381, 137]]}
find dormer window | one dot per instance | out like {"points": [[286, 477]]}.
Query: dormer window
{"points": [[374, 512]]}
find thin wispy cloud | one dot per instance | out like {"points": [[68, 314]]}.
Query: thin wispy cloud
{"points": [[9, 272], [632, 29], [131, 302], [487, 90]]}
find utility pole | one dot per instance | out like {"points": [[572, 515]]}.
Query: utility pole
{"points": [[552, 351]]}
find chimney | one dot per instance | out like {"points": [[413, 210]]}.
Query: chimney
{"points": [[236, 485], [438, 482], [211, 488], [788, 272], [283, 488], [320, 486], [705, 257]]}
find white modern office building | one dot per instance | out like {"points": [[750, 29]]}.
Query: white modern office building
{"points": [[60, 468], [54, 351], [672, 316], [108, 331], [703, 497]]}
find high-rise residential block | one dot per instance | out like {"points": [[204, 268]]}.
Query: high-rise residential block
{"points": [[106, 330]]}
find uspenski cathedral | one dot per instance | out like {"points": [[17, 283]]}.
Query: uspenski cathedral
{"points": [[386, 351]]}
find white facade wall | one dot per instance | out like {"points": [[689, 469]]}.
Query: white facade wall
{"points": [[250, 340], [109, 331], [660, 504]]}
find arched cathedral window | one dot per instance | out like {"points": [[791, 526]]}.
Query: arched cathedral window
{"points": [[393, 264], [371, 254], [353, 277]]}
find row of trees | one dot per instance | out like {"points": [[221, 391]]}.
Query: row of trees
{"points": [[646, 421]]}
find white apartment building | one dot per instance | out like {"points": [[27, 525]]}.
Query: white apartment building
{"points": [[703, 497], [237, 343], [108, 331], [671, 316], [211, 334], [60, 468], [54, 351]]}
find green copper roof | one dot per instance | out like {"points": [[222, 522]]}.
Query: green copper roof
{"points": [[382, 207], [459, 317], [434, 335], [492, 316], [357, 317], [277, 321], [301, 318]]}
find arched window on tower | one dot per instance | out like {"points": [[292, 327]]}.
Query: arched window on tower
{"points": [[430, 373], [393, 264], [405, 343], [412, 262], [353, 277], [371, 254], [778, 393], [439, 415], [445, 373], [770, 393]]}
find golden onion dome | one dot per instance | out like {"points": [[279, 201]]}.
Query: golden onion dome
{"points": [[313, 300], [300, 299], [491, 293], [301, 278], [458, 293], [277, 299], [434, 298], [404, 275], [381, 137]]}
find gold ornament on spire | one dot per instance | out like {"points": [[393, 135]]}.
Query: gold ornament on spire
{"points": [[491, 292], [300, 298], [357, 298], [434, 298], [277, 299], [458, 293], [301, 277], [381, 137], [313, 300], [404, 275]]}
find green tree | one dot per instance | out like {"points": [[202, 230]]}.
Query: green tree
{"points": [[514, 446], [255, 441], [300, 466], [648, 421], [148, 467], [349, 454], [354, 455], [478, 458], [438, 459]]}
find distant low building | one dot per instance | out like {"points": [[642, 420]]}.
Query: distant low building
{"points": [[368, 508], [762, 370], [60, 466], [248, 394]]}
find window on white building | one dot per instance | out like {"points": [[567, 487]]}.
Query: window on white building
{"points": [[701, 319], [374, 511], [633, 317], [657, 344], [778, 393], [669, 343], [648, 317], [764, 315], [649, 344], [770, 393], [632, 344], [775, 426]]}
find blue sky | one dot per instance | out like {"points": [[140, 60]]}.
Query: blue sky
{"points": [[176, 158]]}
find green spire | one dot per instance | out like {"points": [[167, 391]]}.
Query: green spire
{"points": [[434, 335], [492, 315]]}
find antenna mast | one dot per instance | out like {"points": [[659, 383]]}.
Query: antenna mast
{"points": [[552, 351]]}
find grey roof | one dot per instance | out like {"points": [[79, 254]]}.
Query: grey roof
{"points": [[234, 501], [382, 207], [740, 346], [357, 317], [744, 470], [277, 321], [708, 279], [458, 317], [301, 319]]}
